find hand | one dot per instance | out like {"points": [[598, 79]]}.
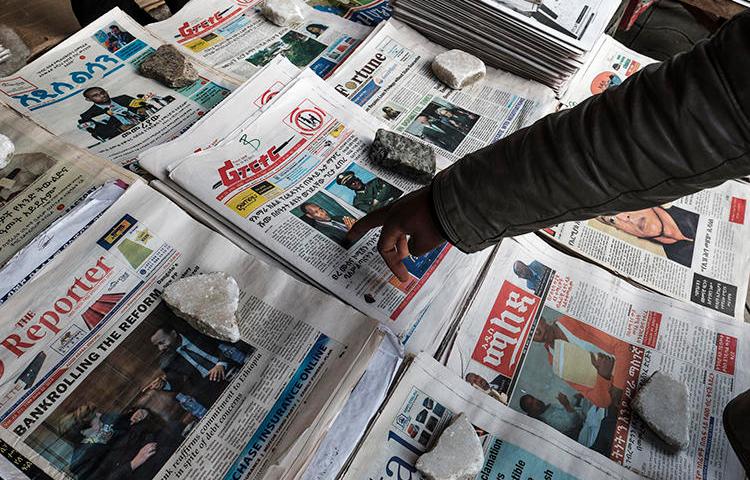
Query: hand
{"points": [[563, 399], [216, 374], [146, 452], [603, 364], [157, 384], [349, 222], [408, 229]]}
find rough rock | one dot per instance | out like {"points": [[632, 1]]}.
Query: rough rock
{"points": [[403, 155], [458, 69], [282, 12], [458, 455], [170, 67], [208, 303], [160, 13], [19, 51], [662, 402], [7, 149]]}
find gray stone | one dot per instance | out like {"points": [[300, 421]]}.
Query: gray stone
{"points": [[160, 13], [403, 155], [458, 454], [283, 12], [458, 69], [208, 303], [662, 403], [19, 51], [168, 66], [7, 149]]}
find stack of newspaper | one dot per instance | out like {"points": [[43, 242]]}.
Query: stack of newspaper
{"points": [[545, 41]]}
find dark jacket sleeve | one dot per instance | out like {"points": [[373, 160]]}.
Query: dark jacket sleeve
{"points": [[669, 131]]}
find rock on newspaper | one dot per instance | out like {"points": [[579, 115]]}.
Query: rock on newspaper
{"points": [[88, 92], [101, 380], [283, 187], [694, 249], [44, 180], [390, 76], [569, 344], [234, 37], [428, 396]]}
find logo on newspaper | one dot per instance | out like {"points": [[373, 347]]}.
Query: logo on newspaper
{"points": [[120, 229], [269, 94], [505, 332], [307, 119]]}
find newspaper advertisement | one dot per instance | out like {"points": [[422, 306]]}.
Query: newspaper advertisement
{"points": [[694, 249], [425, 401], [88, 91], [390, 75], [609, 64], [568, 343], [297, 188], [43, 181], [102, 380], [366, 12], [581, 22], [233, 36]]}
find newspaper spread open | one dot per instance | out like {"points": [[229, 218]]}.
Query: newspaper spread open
{"points": [[569, 344], [366, 12], [298, 187], [234, 37], [694, 249], [43, 181], [608, 64], [390, 75], [428, 396], [87, 90], [101, 380]]}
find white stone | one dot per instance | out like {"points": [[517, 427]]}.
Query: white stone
{"points": [[458, 454], [208, 303], [283, 12], [7, 149], [458, 69], [662, 402]]}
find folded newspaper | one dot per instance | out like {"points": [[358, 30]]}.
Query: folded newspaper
{"points": [[87, 91], [538, 310], [366, 12], [101, 380]]}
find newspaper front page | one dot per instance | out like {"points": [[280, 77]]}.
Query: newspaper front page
{"points": [[299, 186], [694, 249], [88, 91], [101, 380], [232, 36], [428, 396], [569, 344], [44, 180], [390, 75]]}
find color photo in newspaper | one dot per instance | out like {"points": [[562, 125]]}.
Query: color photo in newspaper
{"points": [[232, 36], [390, 75], [568, 343], [87, 90], [428, 396], [366, 12], [694, 249], [101, 380]]}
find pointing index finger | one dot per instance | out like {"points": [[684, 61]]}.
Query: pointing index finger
{"points": [[372, 220]]}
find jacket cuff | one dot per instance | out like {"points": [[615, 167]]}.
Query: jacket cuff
{"points": [[444, 207]]}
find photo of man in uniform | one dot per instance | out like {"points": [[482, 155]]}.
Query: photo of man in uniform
{"points": [[443, 124], [370, 195], [109, 117]]}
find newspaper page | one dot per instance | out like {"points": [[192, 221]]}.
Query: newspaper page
{"points": [[299, 187], [101, 380], [694, 249], [44, 180], [232, 36], [88, 91], [366, 12], [428, 396], [390, 75], [609, 64], [581, 21], [569, 344]]}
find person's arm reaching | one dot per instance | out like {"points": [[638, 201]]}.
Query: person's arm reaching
{"points": [[670, 130]]}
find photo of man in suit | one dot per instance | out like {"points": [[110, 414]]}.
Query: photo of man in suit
{"points": [[334, 227], [109, 117]]}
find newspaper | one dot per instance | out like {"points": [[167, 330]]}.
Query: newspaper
{"points": [[290, 191], [423, 403], [693, 249], [390, 75], [102, 380], [43, 181], [569, 344], [234, 37], [609, 64], [87, 91], [366, 12]]}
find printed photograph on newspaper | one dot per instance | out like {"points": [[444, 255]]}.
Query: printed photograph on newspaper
{"points": [[568, 344], [366, 12], [88, 91]]}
